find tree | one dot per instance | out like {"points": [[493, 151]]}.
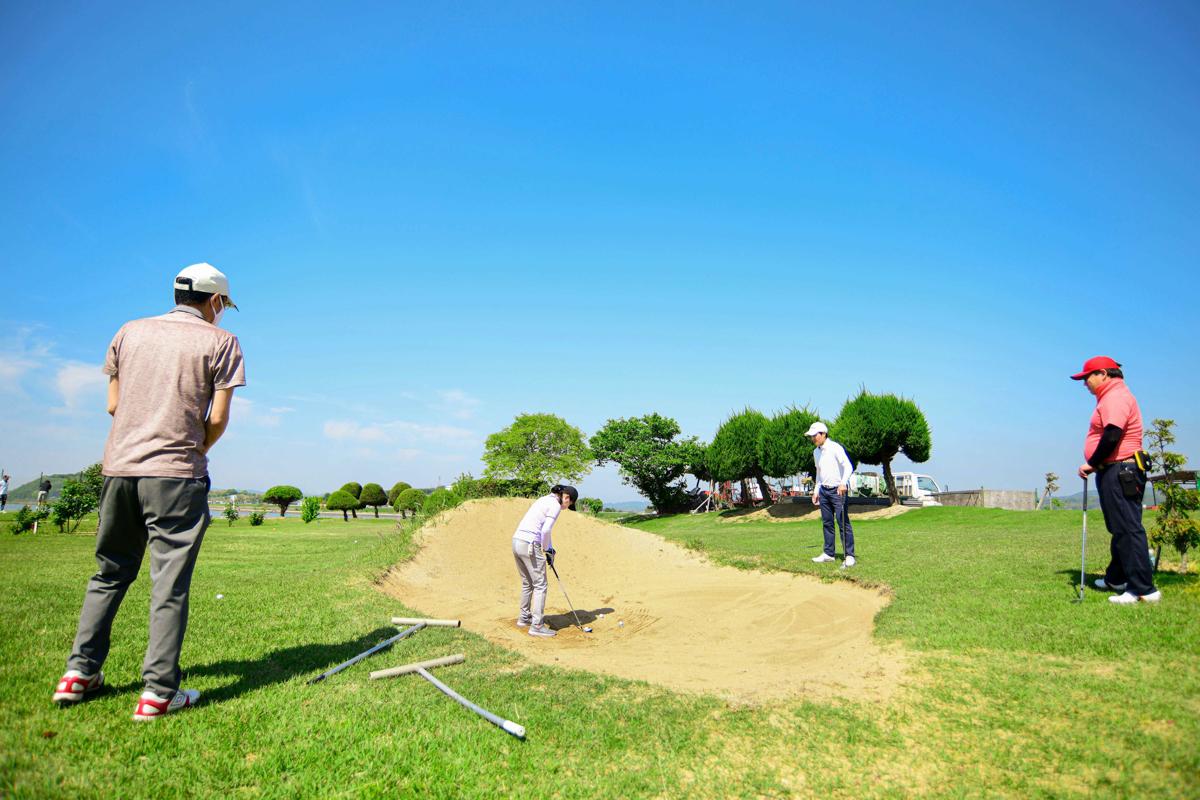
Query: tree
{"points": [[410, 500], [874, 428], [537, 450], [342, 501], [440, 500], [310, 509], [649, 457], [354, 490], [374, 496], [395, 491], [783, 449], [282, 496], [593, 505], [231, 512], [1051, 488], [1173, 523], [733, 454], [73, 504]]}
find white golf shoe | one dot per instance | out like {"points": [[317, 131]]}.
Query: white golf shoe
{"points": [[150, 706], [1129, 599], [823, 559], [1103, 586], [542, 630], [75, 686], [849, 562]]}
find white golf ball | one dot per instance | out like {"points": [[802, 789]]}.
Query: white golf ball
{"points": [[621, 624], [220, 597]]}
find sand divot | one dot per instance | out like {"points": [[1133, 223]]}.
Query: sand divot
{"points": [[689, 625]]}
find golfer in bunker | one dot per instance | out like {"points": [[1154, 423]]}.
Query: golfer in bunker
{"points": [[533, 549]]}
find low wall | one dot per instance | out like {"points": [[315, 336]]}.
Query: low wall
{"points": [[1011, 499]]}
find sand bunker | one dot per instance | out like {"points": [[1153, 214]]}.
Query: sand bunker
{"points": [[689, 625]]}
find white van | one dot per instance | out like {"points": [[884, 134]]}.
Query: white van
{"points": [[914, 484]]}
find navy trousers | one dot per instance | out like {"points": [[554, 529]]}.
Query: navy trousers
{"points": [[1130, 562], [833, 507]]}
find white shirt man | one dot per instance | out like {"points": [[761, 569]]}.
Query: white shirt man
{"points": [[834, 471]]}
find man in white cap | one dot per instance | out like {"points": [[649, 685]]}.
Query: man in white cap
{"points": [[832, 482], [170, 387]]}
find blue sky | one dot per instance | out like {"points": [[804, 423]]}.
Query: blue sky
{"points": [[437, 216]]}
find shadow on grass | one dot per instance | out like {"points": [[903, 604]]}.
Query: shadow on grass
{"points": [[1163, 580], [559, 621], [278, 666]]}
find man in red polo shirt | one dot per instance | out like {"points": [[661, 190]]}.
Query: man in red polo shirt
{"points": [[1113, 439]]}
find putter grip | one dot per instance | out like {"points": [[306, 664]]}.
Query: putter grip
{"points": [[511, 727]]}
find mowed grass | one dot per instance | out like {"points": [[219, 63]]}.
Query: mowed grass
{"points": [[1013, 690]]}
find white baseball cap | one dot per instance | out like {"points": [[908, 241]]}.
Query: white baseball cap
{"points": [[204, 277], [817, 427]]}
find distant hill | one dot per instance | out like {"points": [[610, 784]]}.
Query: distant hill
{"points": [[1076, 500], [629, 505], [27, 492]]}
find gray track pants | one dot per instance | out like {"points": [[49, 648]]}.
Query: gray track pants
{"points": [[531, 566], [171, 515]]}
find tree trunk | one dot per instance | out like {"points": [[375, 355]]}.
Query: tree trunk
{"points": [[376, 512], [344, 517], [353, 513], [891, 481], [747, 498], [764, 488]]}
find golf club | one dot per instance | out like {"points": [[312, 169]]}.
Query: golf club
{"points": [[1083, 547], [365, 653], [569, 603]]}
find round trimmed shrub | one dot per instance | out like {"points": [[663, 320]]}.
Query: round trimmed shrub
{"points": [[410, 500]]}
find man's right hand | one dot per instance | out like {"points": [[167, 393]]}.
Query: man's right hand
{"points": [[816, 498], [550, 556]]}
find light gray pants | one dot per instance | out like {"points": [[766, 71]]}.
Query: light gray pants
{"points": [[171, 515], [531, 566]]}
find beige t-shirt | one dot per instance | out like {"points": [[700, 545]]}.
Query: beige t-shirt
{"points": [[168, 368]]}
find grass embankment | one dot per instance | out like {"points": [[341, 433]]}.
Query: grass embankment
{"points": [[1015, 690]]}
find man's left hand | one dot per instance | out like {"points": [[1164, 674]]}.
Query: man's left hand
{"points": [[1086, 470], [842, 490]]}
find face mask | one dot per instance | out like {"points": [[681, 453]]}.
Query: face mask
{"points": [[218, 311]]}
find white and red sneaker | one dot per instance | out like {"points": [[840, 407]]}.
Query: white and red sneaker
{"points": [[151, 706], [74, 686]]}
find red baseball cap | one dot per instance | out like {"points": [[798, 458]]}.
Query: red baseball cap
{"points": [[1095, 364]]}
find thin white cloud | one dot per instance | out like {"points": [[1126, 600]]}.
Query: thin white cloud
{"points": [[399, 432], [247, 411], [458, 403], [81, 385]]}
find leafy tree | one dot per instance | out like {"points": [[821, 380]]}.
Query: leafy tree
{"points": [[440, 500], [257, 518], [410, 500], [1173, 524], [353, 489], [649, 456], [593, 505], [282, 496], [310, 509], [25, 518], [74, 502], [733, 454], [395, 491], [374, 496], [231, 512], [874, 428], [537, 450], [783, 449], [342, 501]]}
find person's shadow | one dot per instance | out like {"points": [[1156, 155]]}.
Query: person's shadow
{"points": [[559, 621], [284, 664]]}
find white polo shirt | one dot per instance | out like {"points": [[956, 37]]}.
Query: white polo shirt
{"points": [[538, 521], [833, 465]]}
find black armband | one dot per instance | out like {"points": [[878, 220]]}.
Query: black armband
{"points": [[1109, 439]]}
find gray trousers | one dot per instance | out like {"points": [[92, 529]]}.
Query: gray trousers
{"points": [[171, 515], [531, 566]]}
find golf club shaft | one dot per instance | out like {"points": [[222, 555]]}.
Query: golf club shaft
{"points": [[1083, 547], [569, 603], [508, 726], [364, 654]]}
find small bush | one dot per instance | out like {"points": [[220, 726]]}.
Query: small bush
{"points": [[440, 500], [257, 518], [310, 509], [410, 500], [592, 505], [396, 490], [25, 518], [231, 512]]}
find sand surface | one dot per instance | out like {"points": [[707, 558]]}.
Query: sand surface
{"points": [[688, 625]]}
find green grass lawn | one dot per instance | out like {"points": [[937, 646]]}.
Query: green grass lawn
{"points": [[1013, 691]]}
